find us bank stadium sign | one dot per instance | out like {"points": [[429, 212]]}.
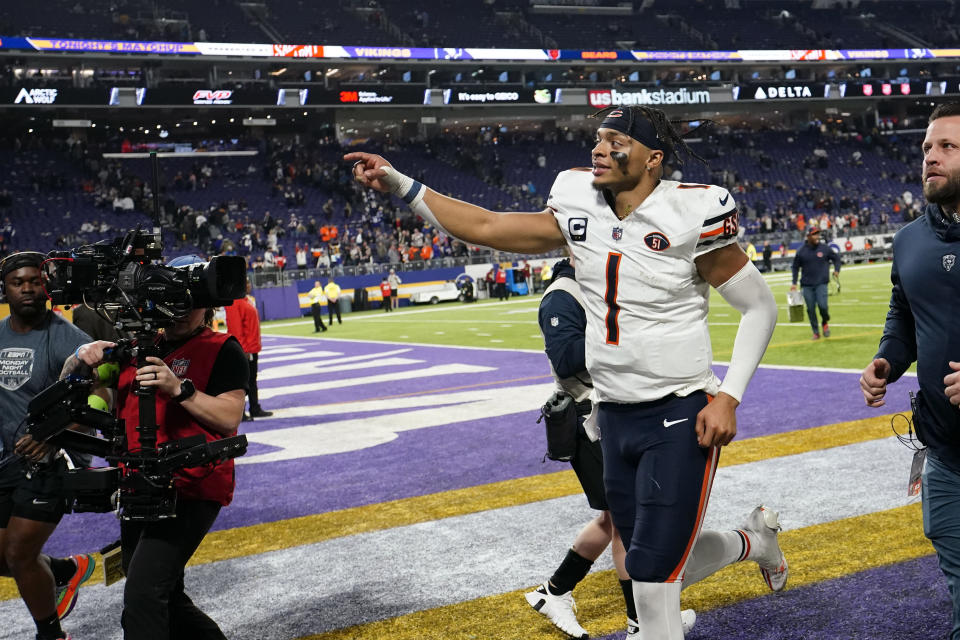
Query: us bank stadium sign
{"points": [[611, 97]]}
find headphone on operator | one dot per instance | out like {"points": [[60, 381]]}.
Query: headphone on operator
{"points": [[16, 261]]}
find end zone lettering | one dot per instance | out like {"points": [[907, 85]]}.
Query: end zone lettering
{"points": [[612, 97]]}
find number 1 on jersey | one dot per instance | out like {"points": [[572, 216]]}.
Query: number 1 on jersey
{"points": [[610, 297]]}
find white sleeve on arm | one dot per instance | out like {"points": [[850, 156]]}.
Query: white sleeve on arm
{"points": [[412, 192], [748, 293]]}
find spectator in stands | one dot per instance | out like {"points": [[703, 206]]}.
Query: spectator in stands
{"points": [[813, 259], [300, 253]]}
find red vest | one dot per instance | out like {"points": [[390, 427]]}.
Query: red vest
{"points": [[385, 289], [243, 323], [193, 360]]}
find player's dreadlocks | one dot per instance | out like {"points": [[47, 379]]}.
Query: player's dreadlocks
{"points": [[667, 135]]}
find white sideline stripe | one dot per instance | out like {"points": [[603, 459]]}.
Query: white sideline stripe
{"points": [[788, 274], [433, 309], [439, 370], [787, 367], [318, 368], [320, 354], [800, 325], [431, 345], [494, 548]]}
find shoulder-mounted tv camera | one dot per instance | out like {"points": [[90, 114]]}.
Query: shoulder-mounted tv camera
{"points": [[124, 281]]}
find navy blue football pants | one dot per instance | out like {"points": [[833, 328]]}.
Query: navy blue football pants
{"points": [[941, 524], [815, 298], [657, 480]]}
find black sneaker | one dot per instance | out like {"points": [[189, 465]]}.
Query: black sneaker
{"points": [[260, 413]]}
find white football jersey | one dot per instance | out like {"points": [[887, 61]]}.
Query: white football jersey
{"points": [[646, 304]]}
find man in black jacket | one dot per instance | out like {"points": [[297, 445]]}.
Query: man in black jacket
{"points": [[813, 259], [921, 326]]}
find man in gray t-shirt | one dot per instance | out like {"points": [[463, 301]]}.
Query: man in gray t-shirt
{"points": [[34, 345], [29, 363]]}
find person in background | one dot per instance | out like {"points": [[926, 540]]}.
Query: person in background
{"points": [[395, 282], [243, 323], [332, 294], [812, 259], [385, 293], [316, 297]]}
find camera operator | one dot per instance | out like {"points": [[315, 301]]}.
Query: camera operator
{"points": [[36, 343], [201, 379]]}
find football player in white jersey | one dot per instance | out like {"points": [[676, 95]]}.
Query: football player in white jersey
{"points": [[647, 251]]}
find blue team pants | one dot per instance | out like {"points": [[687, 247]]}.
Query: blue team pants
{"points": [[657, 480], [816, 297], [941, 523]]}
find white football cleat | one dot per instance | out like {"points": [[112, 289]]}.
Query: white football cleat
{"points": [[764, 524], [688, 618], [560, 610]]}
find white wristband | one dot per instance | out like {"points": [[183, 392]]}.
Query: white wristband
{"points": [[412, 192]]}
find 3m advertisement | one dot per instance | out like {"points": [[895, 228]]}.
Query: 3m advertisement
{"points": [[49, 96], [371, 96]]}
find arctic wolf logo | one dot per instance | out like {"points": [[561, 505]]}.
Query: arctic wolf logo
{"points": [[16, 366]]}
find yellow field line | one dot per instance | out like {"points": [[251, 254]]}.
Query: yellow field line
{"points": [[274, 536], [817, 553]]}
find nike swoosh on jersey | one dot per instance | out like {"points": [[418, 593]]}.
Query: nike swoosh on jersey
{"points": [[670, 423], [723, 200], [35, 501]]}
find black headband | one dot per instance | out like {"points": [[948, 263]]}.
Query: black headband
{"points": [[19, 260], [641, 129]]}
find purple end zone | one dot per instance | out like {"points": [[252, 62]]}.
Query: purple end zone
{"points": [[456, 455], [904, 601]]}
